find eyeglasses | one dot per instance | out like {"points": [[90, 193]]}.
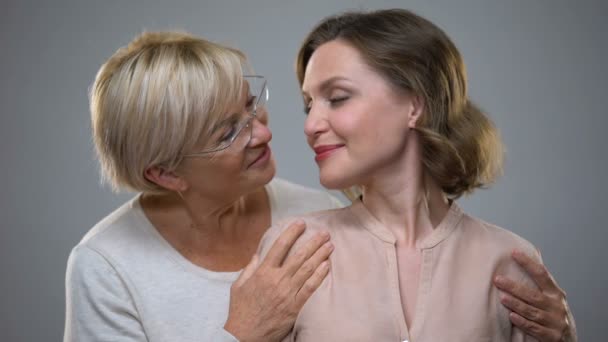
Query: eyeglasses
{"points": [[258, 96]]}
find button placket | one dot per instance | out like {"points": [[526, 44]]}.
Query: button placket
{"points": [[391, 257]]}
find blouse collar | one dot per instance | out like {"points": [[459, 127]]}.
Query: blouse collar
{"points": [[439, 234]]}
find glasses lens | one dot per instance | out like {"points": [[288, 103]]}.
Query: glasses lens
{"points": [[240, 134], [244, 134], [258, 89]]}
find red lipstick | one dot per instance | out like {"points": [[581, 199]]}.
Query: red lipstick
{"points": [[325, 151]]}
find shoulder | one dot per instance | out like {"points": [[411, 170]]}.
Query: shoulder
{"points": [[87, 269], [329, 220], [495, 246], [99, 302], [290, 199], [119, 222], [499, 239], [120, 239]]}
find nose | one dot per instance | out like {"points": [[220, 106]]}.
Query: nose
{"points": [[315, 123], [260, 133]]}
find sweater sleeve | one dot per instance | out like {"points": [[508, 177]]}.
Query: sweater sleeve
{"points": [[99, 306]]}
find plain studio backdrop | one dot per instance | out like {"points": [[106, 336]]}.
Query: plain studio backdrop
{"points": [[537, 67]]}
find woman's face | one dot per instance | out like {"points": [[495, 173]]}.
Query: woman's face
{"points": [[357, 123], [243, 167]]}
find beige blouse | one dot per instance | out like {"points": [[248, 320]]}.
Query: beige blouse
{"points": [[360, 298]]}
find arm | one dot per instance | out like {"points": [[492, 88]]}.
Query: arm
{"points": [[98, 305], [267, 297], [543, 313]]}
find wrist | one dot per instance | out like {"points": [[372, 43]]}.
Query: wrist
{"points": [[238, 331], [233, 330]]}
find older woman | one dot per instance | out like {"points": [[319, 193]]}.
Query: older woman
{"points": [[176, 119], [387, 109]]}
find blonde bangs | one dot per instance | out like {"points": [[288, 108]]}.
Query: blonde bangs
{"points": [[221, 81], [154, 100]]}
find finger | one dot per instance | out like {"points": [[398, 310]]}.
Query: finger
{"points": [[312, 284], [248, 271], [283, 244], [537, 271], [522, 292], [294, 262], [527, 311], [309, 267], [534, 329]]}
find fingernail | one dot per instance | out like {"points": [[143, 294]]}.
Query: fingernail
{"points": [[329, 246], [325, 234]]}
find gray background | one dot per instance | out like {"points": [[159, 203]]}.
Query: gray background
{"points": [[538, 67]]}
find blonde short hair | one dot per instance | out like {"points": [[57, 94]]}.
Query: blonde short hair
{"points": [[155, 99]]}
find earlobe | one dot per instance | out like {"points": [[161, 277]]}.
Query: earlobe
{"points": [[165, 179], [416, 111]]}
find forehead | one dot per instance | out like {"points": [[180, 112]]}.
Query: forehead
{"points": [[335, 59]]}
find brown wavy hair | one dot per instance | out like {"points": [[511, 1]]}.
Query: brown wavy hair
{"points": [[461, 147]]}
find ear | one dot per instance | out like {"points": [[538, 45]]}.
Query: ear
{"points": [[416, 111], [166, 179]]}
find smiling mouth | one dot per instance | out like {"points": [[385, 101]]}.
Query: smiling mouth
{"points": [[325, 151]]}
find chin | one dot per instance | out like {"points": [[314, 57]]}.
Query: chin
{"points": [[269, 172], [335, 180], [261, 178]]}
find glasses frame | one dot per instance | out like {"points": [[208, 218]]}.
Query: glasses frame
{"points": [[247, 123]]}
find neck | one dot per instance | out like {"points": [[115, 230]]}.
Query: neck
{"points": [[219, 237], [404, 198], [197, 220], [194, 212], [212, 217]]}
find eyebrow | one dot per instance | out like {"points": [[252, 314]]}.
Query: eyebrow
{"points": [[328, 83]]}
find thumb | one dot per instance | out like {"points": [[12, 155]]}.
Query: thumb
{"points": [[248, 270]]}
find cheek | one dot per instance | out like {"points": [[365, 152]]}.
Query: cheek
{"points": [[349, 124], [226, 167], [231, 166], [359, 127]]}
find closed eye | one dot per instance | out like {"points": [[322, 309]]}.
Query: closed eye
{"points": [[306, 110], [228, 135], [336, 101], [307, 105], [333, 102], [228, 129]]}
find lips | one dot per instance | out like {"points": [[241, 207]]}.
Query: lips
{"points": [[262, 158], [324, 151]]}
